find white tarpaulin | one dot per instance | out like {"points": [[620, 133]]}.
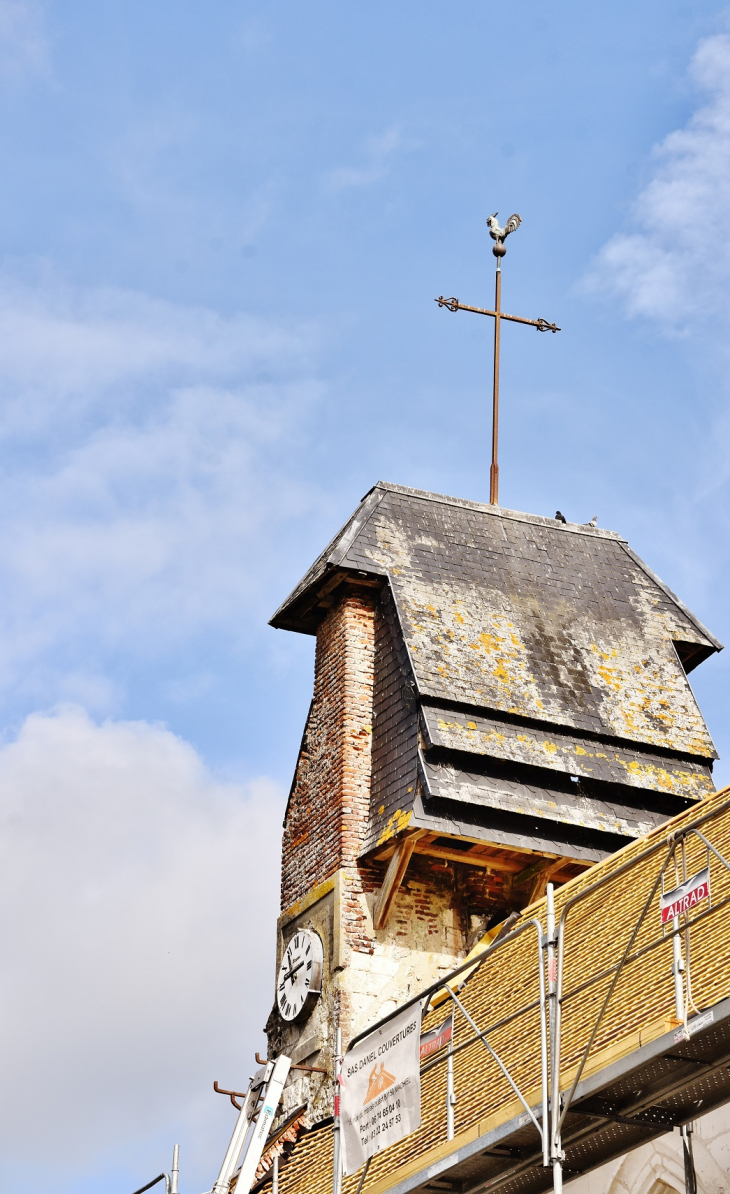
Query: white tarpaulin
{"points": [[381, 1089]]}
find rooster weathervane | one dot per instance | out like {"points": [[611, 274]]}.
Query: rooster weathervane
{"points": [[498, 235]]}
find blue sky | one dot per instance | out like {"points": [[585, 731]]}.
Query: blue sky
{"points": [[222, 228]]}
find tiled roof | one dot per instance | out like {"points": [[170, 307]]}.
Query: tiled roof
{"points": [[524, 651], [472, 733], [524, 616]]}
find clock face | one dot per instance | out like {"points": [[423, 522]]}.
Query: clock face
{"points": [[300, 974]]}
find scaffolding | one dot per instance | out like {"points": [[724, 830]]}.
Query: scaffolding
{"points": [[570, 1069], [583, 1101]]}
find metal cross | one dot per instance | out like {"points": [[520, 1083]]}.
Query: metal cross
{"points": [[498, 235]]}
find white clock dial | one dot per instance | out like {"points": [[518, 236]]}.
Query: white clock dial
{"points": [[300, 974]]}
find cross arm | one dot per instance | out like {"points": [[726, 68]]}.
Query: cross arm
{"points": [[453, 304]]}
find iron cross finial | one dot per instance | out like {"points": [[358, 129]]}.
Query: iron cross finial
{"points": [[498, 235]]}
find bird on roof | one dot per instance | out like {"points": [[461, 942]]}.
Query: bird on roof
{"points": [[499, 234], [560, 517], [593, 522]]}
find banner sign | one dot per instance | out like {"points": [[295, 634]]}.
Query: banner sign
{"points": [[381, 1089], [437, 1038], [683, 898]]}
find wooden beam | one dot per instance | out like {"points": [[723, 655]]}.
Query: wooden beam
{"points": [[542, 878], [535, 869], [397, 868], [486, 861]]}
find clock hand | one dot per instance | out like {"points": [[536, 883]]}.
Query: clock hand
{"points": [[293, 971]]}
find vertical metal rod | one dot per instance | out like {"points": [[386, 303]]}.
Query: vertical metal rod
{"points": [[337, 1151], [450, 1096], [363, 1175], [677, 971], [556, 1152], [557, 1176], [690, 1173], [495, 1056], [544, 1053], [175, 1169], [275, 1176], [494, 470]]}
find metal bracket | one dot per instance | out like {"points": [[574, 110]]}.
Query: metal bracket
{"points": [[310, 1069], [232, 1094]]}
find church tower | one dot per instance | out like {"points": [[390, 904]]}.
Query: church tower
{"points": [[500, 700]]}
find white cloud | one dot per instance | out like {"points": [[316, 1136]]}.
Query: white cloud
{"points": [[23, 45], [69, 342], [139, 895], [676, 267], [377, 154], [146, 464]]}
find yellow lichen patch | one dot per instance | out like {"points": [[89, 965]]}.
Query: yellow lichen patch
{"points": [[550, 747], [684, 782], [459, 618], [610, 677], [579, 751], [500, 671], [487, 642], [396, 823], [381, 810]]}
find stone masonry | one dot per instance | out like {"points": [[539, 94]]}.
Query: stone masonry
{"points": [[440, 908]]}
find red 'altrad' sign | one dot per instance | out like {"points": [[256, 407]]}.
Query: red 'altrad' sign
{"points": [[437, 1038], [685, 897]]}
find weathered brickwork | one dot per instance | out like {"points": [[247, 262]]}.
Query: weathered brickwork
{"points": [[509, 691], [329, 803], [441, 907], [506, 692], [359, 662], [440, 910]]}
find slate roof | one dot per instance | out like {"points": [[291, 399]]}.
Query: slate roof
{"points": [[540, 644]]}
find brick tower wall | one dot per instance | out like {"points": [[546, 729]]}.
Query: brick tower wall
{"points": [[328, 808], [440, 906]]}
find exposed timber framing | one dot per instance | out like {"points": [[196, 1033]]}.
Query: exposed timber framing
{"points": [[394, 875], [487, 862], [535, 878]]}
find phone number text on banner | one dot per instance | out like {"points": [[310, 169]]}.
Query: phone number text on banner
{"points": [[381, 1089]]}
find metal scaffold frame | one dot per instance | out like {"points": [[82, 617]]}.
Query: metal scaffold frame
{"points": [[682, 924], [684, 906], [549, 1117], [446, 986]]}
